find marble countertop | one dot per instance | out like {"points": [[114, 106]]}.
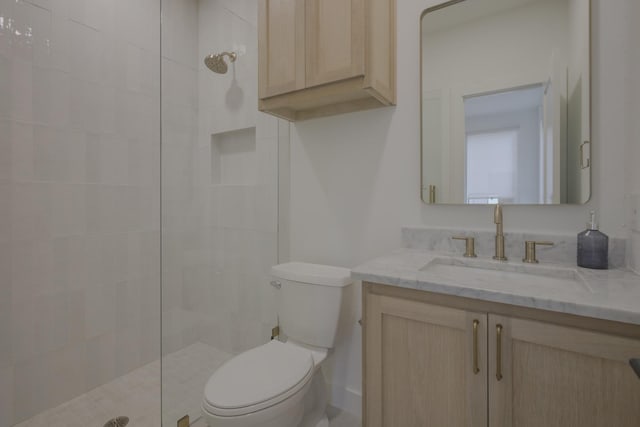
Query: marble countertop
{"points": [[603, 294]]}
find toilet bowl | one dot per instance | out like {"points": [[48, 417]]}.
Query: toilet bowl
{"points": [[265, 386], [279, 384]]}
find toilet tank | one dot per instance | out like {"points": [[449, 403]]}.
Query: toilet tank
{"points": [[310, 298]]}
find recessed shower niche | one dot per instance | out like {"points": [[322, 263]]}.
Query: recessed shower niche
{"points": [[233, 157]]}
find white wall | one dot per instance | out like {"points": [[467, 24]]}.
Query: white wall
{"points": [[79, 197], [633, 175], [355, 179], [578, 94]]}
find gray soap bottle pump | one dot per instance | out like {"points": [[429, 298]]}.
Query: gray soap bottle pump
{"points": [[593, 247]]}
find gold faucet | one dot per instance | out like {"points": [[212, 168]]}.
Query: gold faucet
{"points": [[497, 219]]}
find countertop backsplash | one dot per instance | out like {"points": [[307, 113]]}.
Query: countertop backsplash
{"points": [[564, 250]]}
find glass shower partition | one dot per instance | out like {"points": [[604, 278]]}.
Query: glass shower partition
{"points": [[219, 197], [79, 212]]}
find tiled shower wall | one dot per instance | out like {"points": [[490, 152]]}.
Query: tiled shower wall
{"points": [[220, 181], [633, 153], [235, 304], [182, 204], [79, 197]]}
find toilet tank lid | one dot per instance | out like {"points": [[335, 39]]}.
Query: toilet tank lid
{"points": [[314, 274]]}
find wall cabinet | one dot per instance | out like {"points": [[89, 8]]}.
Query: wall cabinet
{"points": [[437, 364], [325, 57]]}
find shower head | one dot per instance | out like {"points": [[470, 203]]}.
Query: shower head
{"points": [[216, 62]]}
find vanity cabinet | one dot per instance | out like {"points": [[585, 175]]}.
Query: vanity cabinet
{"points": [[423, 364], [434, 360], [542, 374], [325, 57]]}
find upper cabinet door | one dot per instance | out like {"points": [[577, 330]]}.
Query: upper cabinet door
{"points": [[335, 40], [319, 58], [547, 375], [281, 46]]}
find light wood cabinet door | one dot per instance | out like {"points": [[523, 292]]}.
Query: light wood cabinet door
{"points": [[281, 59], [553, 376], [425, 365], [320, 58], [334, 40]]}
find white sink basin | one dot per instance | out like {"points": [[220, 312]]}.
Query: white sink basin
{"points": [[501, 276]]}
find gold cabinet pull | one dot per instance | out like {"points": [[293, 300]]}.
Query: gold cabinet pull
{"points": [[476, 363], [498, 352]]}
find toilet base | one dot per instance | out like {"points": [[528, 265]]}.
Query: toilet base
{"points": [[316, 404]]}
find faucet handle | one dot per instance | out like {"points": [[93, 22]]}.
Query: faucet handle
{"points": [[530, 250], [497, 214], [470, 251]]}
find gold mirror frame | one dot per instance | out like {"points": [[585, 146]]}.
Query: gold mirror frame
{"points": [[431, 189]]}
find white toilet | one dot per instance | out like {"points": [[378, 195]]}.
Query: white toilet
{"points": [[279, 384]]}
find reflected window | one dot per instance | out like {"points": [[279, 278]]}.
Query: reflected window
{"points": [[491, 175]]}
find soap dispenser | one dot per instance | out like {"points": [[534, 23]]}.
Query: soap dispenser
{"points": [[593, 247]]}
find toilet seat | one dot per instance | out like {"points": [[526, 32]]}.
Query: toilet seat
{"points": [[257, 379]]}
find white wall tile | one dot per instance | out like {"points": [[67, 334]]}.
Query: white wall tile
{"points": [[128, 296], [22, 37], [22, 151], [51, 96], [67, 368], [6, 396], [179, 31], [75, 319], [51, 159], [59, 53], [5, 84], [23, 332], [68, 209], [31, 268], [128, 354], [50, 311], [79, 174], [69, 271], [31, 391], [5, 151], [100, 360], [21, 90], [41, 29], [6, 324], [99, 306]]}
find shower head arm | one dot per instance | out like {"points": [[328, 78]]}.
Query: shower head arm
{"points": [[232, 56]]}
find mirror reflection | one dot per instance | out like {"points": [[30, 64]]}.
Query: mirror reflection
{"points": [[505, 102]]}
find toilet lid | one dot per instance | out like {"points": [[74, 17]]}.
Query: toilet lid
{"points": [[259, 375]]}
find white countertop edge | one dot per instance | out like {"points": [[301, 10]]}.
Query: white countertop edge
{"points": [[616, 296]]}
